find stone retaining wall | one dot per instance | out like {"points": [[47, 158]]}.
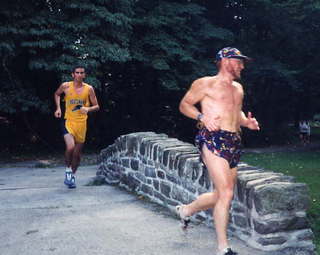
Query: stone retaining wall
{"points": [[268, 210]]}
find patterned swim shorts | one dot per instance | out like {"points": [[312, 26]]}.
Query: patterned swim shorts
{"points": [[222, 143]]}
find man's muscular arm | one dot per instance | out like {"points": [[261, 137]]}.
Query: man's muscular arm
{"points": [[193, 96], [57, 96], [196, 94], [94, 103]]}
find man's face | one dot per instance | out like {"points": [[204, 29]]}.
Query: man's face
{"points": [[79, 74], [235, 66]]}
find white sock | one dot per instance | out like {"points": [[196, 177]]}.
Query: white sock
{"points": [[69, 173]]}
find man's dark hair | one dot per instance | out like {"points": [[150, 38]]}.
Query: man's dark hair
{"points": [[76, 67]]}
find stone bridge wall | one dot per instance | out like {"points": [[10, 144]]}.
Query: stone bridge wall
{"points": [[268, 210]]}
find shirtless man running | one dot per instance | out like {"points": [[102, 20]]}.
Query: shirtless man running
{"points": [[221, 117]]}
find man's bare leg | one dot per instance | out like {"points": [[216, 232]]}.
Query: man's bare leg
{"points": [[76, 157], [70, 145], [224, 180], [204, 201]]}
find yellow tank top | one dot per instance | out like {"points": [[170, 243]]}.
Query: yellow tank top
{"points": [[75, 101]]}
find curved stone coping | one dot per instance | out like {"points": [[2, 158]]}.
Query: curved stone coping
{"points": [[268, 210]]}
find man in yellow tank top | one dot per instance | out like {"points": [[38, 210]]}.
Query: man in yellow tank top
{"points": [[79, 99]]}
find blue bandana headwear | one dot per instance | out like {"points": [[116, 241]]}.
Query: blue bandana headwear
{"points": [[229, 52]]}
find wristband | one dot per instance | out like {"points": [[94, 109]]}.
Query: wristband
{"points": [[200, 116]]}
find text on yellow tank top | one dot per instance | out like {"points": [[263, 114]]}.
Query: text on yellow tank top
{"points": [[74, 101]]}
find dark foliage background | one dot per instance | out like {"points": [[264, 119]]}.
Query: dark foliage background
{"points": [[142, 55]]}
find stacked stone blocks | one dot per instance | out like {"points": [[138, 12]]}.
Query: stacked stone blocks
{"points": [[268, 210]]}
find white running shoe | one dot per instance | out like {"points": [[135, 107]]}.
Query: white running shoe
{"points": [[72, 184], [68, 176], [185, 220], [227, 251]]}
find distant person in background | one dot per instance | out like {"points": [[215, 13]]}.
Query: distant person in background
{"points": [[80, 99], [304, 132]]}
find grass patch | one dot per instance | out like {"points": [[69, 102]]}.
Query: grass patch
{"points": [[315, 131], [305, 167]]}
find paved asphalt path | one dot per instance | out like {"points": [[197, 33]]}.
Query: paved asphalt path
{"points": [[40, 216]]}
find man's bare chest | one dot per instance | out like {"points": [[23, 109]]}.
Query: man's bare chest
{"points": [[228, 95]]}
